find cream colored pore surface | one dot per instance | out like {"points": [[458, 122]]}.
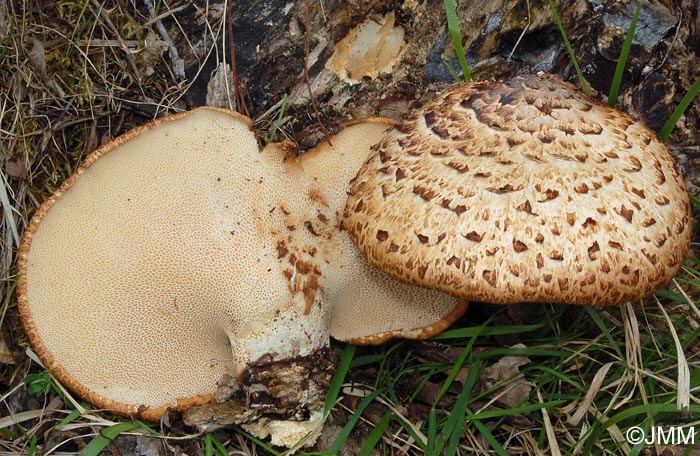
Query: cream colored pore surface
{"points": [[367, 304], [140, 270], [185, 253]]}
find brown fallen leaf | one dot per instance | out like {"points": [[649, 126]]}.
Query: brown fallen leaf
{"points": [[5, 353], [15, 168], [513, 392]]}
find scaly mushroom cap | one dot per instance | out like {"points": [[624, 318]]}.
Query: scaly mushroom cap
{"points": [[179, 256], [523, 190]]}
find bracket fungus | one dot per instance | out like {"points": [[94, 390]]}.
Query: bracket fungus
{"points": [[179, 257], [522, 190]]}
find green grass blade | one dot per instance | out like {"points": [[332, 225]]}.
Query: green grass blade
{"points": [[453, 27], [667, 294], [375, 436], [72, 416], [32, 445], [458, 366], [489, 437], [622, 61], [77, 28], [211, 443], [452, 72], [106, 436], [584, 86], [366, 360], [680, 109], [208, 446], [433, 447], [283, 106], [562, 377], [455, 431], [8, 296], [463, 333], [524, 409], [452, 431], [220, 450], [517, 351], [9, 435], [411, 431], [6, 43], [339, 378], [352, 422], [604, 329], [264, 445]]}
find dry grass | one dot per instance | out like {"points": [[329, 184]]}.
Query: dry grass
{"points": [[73, 75]]}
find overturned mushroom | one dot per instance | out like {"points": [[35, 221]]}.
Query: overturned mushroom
{"points": [[523, 190], [179, 256]]}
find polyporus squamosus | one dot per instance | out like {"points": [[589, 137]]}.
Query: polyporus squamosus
{"points": [[522, 190], [179, 256]]}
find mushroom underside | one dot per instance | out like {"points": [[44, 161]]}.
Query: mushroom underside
{"points": [[179, 260]]}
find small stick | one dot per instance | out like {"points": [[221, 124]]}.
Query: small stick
{"points": [[130, 58], [178, 63], [522, 34], [306, 72], [238, 92]]}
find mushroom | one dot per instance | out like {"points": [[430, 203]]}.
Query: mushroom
{"points": [[522, 190], [179, 260]]}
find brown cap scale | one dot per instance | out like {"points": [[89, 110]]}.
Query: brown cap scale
{"points": [[522, 190], [180, 255]]}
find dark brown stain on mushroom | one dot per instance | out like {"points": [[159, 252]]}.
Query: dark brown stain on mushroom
{"points": [[281, 250], [310, 227]]}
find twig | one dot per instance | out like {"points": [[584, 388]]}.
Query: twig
{"points": [[238, 94], [306, 72], [130, 58], [161, 16], [178, 63], [522, 34]]}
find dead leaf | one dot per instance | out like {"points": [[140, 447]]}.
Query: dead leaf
{"points": [[151, 54], [37, 57], [15, 168], [507, 367], [5, 353]]}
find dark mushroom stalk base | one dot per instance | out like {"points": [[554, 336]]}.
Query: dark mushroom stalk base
{"points": [[181, 263], [280, 398]]}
